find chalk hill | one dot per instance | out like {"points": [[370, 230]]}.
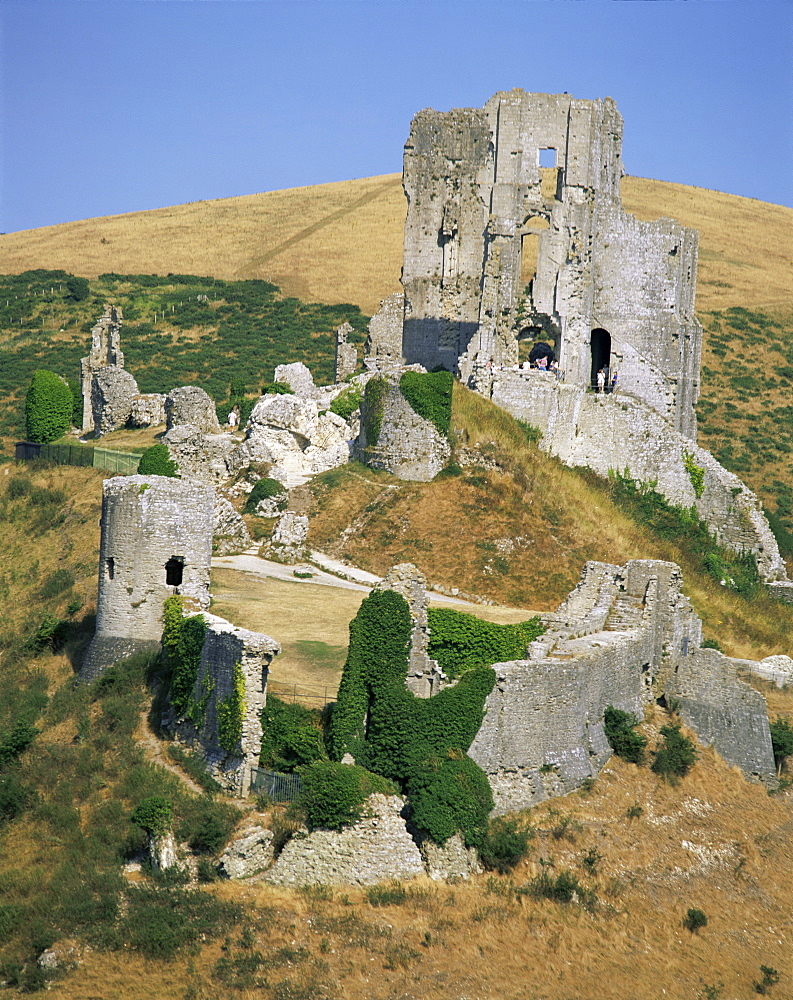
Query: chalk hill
{"points": [[342, 242]]}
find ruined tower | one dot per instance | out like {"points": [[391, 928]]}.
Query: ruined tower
{"points": [[156, 541], [515, 231], [105, 352]]}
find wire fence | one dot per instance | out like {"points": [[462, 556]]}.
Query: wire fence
{"points": [[276, 786], [316, 696], [107, 459]]}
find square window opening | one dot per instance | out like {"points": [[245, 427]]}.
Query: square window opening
{"points": [[174, 571], [547, 156]]}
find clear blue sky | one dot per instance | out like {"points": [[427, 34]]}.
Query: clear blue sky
{"points": [[116, 106]]}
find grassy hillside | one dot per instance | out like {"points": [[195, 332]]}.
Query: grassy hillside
{"points": [[343, 242], [642, 852]]}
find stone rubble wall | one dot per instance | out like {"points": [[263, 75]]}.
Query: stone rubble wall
{"points": [[722, 710], [375, 849], [288, 541], [146, 521], [113, 391], [200, 457], [409, 447], [298, 377], [225, 646], [616, 432], [249, 853]]}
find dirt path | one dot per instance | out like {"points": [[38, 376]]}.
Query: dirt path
{"points": [[156, 754]]}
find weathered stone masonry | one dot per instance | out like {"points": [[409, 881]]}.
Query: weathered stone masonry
{"points": [[156, 541]]}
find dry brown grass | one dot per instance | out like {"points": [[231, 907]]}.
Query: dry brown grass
{"points": [[342, 242], [714, 842]]}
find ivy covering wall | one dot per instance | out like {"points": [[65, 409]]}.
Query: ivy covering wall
{"points": [[372, 414], [419, 743], [459, 641], [182, 642], [430, 395], [231, 714]]}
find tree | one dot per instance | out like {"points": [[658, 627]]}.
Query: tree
{"points": [[781, 741], [77, 288], [48, 407]]}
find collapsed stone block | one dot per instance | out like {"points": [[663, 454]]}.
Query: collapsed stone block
{"points": [[407, 445], [156, 541], [288, 542], [113, 392], [247, 854], [189, 404], [200, 457], [723, 711], [148, 410], [298, 377], [230, 535]]}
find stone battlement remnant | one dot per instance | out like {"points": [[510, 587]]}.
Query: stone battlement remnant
{"points": [[156, 541]]}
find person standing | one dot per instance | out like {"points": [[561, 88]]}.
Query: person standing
{"points": [[601, 380]]}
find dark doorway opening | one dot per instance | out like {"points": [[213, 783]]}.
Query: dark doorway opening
{"points": [[600, 343], [174, 570], [111, 568]]}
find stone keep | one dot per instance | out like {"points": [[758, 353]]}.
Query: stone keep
{"points": [[105, 351], [156, 541], [515, 230]]}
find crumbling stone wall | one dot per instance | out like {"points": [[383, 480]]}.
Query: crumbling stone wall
{"points": [[148, 410], [616, 640], [347, 354], [105, 351], [383, 347], [722, 710], [229, 651], [408, 446], [480, 207], [154, 530], [375, 849]]}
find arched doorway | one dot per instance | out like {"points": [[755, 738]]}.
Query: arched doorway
{"points": [[600, 346]]}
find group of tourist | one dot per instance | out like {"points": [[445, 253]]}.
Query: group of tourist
{"points": [[604, 384]]}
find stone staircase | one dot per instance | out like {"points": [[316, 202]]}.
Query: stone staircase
{"points": [[625, 613]]}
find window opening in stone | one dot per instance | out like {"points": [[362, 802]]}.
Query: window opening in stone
{"points": [[110, 565], [527, 338], [174, 570], [600, 344], [548, 157], [529, 249]]}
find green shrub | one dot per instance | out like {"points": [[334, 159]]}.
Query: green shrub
{"points": [[78, 288], [394, 894], [209, 827], [694, 919], [277, 389], [291, 736], [15, 797], [157, 461], [430, 396], [781, 740], [334, 794], [622, 736], [505, 844], [770, 978], [154, 814], [448, 794], [710, 644], [460, 641], [16, 740], [562, 888], [264, 489], [696, 474], [372, 409], [347, 402], [676, 756], [48, 407]]}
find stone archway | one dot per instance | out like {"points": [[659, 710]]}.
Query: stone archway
{"points": [[600, 349]]}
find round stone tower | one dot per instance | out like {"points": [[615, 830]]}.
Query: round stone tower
{"points": [[156, 541]]}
